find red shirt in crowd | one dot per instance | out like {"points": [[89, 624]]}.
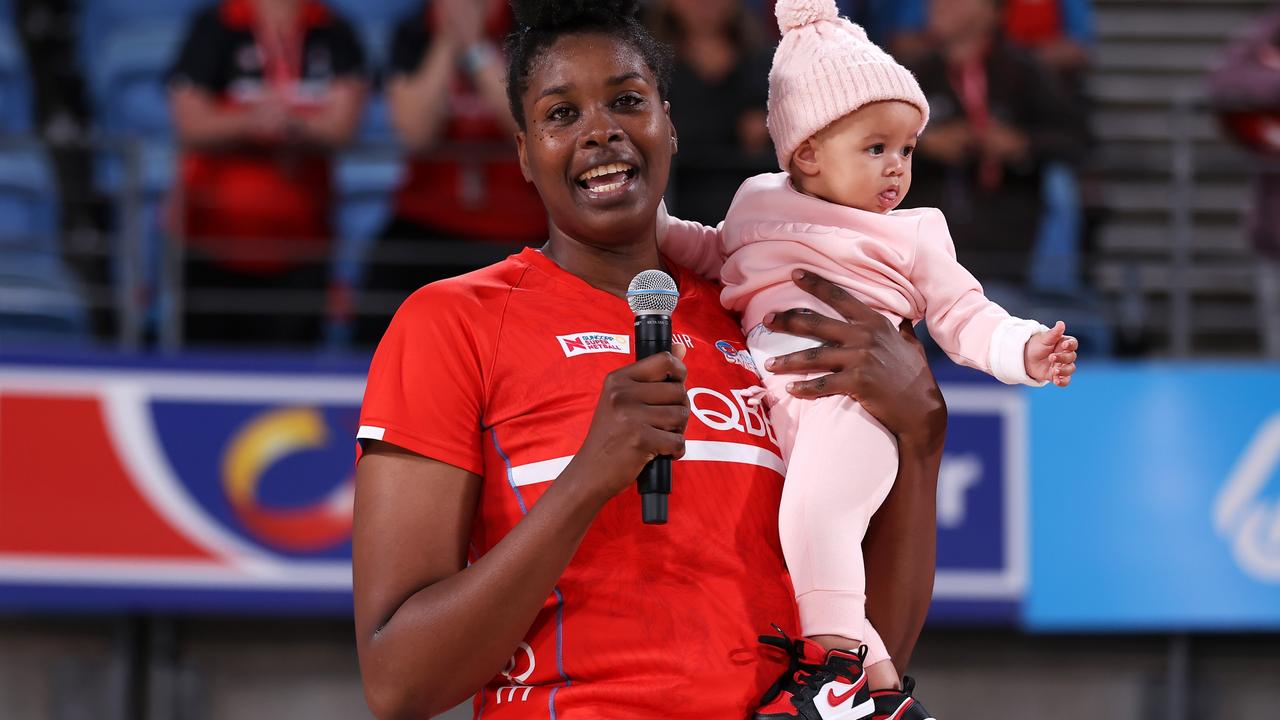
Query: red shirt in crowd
{"points": [[485, 200], [254, 208]]}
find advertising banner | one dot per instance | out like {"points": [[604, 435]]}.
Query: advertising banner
{"points": [[1156, 501], [206, 487]]}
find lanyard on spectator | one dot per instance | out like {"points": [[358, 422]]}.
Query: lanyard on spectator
{"points": [[969, 80], [281, 53]]}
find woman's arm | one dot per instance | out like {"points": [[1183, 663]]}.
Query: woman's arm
{"points": [[884, 368], [419, 102], [335, 122], [200, 122], [431, 630]]}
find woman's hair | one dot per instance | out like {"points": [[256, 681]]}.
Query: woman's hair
{"points": [[539, 23]]}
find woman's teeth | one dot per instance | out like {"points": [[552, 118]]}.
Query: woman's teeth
{"points": [[606, 178]]}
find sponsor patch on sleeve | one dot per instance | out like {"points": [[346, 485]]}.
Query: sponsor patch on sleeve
{"points": [[594, 342]]}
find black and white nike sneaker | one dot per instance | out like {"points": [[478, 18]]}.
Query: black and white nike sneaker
{"points": [[817, 684], [899, 704]]}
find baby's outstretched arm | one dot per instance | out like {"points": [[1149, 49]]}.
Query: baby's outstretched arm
{"points": [[1051, 355]]}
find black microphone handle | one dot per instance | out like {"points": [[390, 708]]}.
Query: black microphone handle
{"points": [[653, 335]]}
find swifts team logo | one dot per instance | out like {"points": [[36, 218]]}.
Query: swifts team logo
{"points": [[594, 342], [737, 356]]}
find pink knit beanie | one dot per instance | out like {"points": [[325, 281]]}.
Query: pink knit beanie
{"points": [[824, 69]]}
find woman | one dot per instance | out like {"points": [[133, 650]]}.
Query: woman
{"points": [[263, 92], [498, 545], [719, 86], [445, 88]]}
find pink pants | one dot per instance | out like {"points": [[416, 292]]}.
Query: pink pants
{"points": [[841, 464]]}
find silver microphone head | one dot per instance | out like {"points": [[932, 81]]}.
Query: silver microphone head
{"points": [[652, 292]]}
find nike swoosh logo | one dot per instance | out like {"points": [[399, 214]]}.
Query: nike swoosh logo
{"points": [[837, 700]]}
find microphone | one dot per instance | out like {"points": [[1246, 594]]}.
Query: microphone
{"points": [[652, 296]]}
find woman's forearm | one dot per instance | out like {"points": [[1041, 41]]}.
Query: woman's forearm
{"points": [[447, 639], [337, 120], [900, 549], [420, 102]]}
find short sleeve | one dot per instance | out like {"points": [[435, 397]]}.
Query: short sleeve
{"points": [[200, 59], [347, 52], [409, 45], [425, 388]]}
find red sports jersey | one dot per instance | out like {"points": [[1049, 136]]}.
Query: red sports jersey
{"points": [[498, 372]]}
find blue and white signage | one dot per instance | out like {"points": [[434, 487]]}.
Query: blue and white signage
{"points": [[982, 504], [1156, 500]]}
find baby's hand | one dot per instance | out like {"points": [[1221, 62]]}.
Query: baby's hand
{"points": [[1051, 356]]}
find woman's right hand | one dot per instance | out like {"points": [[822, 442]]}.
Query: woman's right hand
{"points": [[641, 414], [882, 367]]}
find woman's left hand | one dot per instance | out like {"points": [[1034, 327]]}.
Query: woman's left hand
{"points": [[882, 367]]}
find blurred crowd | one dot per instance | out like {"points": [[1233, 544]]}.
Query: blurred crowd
{"points": [[301, 155]]}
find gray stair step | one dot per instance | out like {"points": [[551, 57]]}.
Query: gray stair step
{"points": [[1174, 20], [1129, 87], [1117, 276], [1124, 238], [1150, 124], [1217, 196], [1192, 57]]}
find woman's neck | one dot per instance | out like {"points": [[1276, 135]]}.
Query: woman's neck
{"points": [[607, 268]]}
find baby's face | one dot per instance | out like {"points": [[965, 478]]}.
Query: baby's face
{"points": [[864, 158]]}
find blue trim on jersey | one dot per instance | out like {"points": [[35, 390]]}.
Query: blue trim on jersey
{"points": [[560, 635], [524, 510], [506, 462]]}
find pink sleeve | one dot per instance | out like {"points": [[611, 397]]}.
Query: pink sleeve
{"points": [[973, 330], [690, 244]]}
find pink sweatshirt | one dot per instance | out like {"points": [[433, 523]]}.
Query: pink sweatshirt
{"points": [[901, 264]]}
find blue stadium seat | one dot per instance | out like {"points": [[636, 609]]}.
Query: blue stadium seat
{"points": [[15, 85], [28, 193], [373, 11], [364, 186], [126, 77], [39, 301]]}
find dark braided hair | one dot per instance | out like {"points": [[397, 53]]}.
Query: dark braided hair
{"points": [[539, 23]]}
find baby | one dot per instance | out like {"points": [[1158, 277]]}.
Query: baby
{"points": [[844, 117]]}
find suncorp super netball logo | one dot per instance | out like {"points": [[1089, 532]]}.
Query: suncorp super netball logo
{"points": [[1247, 513]]}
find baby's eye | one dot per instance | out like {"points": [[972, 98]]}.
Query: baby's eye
{"points": [[877, 149], [907, 150]]}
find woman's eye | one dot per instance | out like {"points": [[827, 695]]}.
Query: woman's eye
{"points": [[560, 113], [629, 100], [877, 149]]}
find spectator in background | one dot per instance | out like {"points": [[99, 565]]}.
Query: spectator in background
{"points": [[1245, 88], [262, 93], [718, 93], [998, 118], [1059, 33], [447, 91]]}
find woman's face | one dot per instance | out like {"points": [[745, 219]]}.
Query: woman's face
{"points": [[703, 13], [598, 141]]}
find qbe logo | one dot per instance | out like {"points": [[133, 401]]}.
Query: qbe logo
{"points": [[1245, 515], [594, 342]]}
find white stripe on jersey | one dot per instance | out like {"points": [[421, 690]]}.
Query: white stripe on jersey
{"points": [[370, 432], [694, 450]]}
